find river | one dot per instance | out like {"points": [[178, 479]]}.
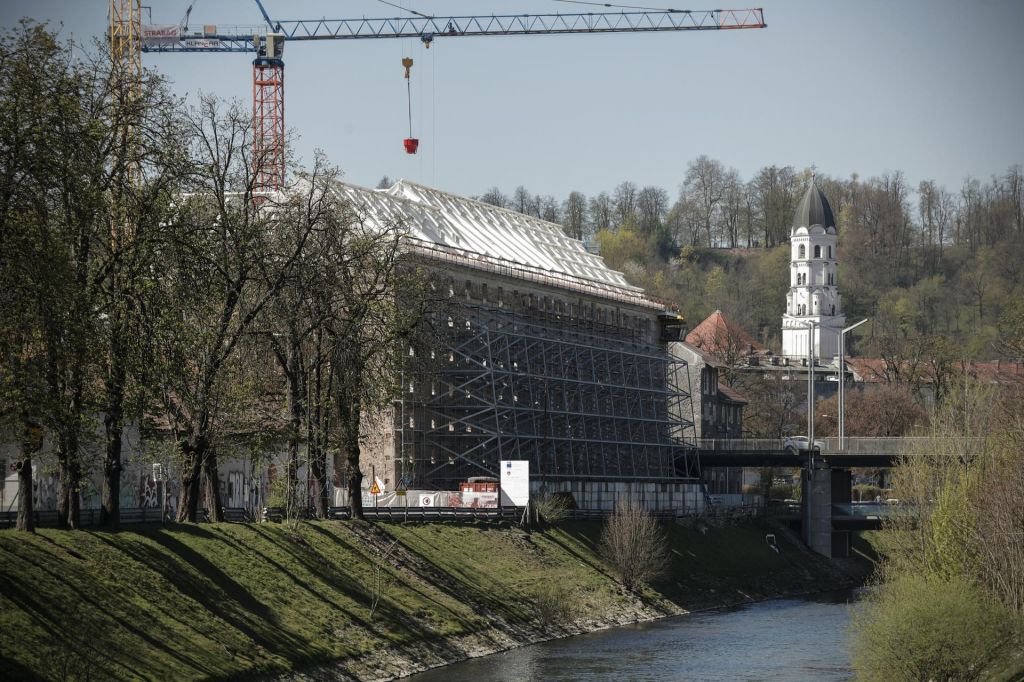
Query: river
{"points": [[783, 639]]}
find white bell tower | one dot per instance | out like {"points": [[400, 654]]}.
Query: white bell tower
{"points": [[813, 281]]}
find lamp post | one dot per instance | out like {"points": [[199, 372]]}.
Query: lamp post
{"points": [[842, 383], [810, 389]]}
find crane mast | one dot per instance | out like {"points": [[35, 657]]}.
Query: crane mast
{"points": [[267, 42]]}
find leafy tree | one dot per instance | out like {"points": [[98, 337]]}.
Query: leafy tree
{"points": [[383, 302], [230, 256], [920, 628]]}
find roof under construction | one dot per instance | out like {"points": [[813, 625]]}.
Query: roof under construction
{"points": [[474, 234]]}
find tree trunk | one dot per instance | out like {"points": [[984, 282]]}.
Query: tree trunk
{"points": [[211, 486], [355, 480], [295, 409], [26, 519], [69, 472], [193, 451], [355, 474], [319, 463], [113, 423]]}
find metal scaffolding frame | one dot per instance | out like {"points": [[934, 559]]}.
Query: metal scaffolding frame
{"points": [[579, 399]]}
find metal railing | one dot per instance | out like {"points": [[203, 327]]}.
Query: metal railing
{"points": [[47, 518], [909, 445], [429, 513]]}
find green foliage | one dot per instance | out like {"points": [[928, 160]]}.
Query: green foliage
{"points": [[952, 602], [920, 628]]}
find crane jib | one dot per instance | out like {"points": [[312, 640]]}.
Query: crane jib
{"points": [[158, 39]]}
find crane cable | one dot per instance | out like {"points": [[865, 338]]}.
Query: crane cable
{"points": [[613, 5], [410, 11], [407, 63]]}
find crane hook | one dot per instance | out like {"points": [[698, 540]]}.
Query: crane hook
{"points": [[407, 63]]}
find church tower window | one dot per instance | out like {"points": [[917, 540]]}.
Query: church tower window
{"points": [[817, 252], [801, 253], [830, 253]]}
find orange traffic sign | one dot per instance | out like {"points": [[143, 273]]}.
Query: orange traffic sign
{"points": [[375, 489]]}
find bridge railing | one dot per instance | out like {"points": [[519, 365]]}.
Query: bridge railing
{"points": [[907, 445], [739, 444], [864, 509]]}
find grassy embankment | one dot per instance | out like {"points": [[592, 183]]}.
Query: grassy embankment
{"points": [[214, 601]]}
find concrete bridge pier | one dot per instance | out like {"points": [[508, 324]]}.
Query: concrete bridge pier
{"points": [[823, 486]]}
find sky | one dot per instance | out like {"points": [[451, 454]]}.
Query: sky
{"points": [[933, 88]]}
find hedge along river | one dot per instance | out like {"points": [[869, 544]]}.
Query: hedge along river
{"points": [[782, 639]]}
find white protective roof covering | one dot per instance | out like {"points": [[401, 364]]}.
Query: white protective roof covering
{"points": [[491, 238]]}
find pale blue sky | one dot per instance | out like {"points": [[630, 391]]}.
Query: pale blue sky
{"points": [[935, 89]]}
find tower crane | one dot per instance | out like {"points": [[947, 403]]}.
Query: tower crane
{"points": [[266, 41]]}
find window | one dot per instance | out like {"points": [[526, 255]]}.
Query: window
{"points": [[830, 253], [817, 252], [802, 252]]}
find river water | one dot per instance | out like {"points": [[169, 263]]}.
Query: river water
{"points": [[784, 639]]}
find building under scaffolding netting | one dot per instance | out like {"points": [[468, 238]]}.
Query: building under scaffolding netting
{"points": [[545, 354]]}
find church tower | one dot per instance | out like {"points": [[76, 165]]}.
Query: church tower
{"points": [[813, 284]]}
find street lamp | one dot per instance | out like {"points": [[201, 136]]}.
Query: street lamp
{"points": [[810, 388], [842, 383]]}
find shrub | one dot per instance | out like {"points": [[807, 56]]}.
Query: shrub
{"points": [[553, 605], [552, 508], [634, 545], [915, 628]]}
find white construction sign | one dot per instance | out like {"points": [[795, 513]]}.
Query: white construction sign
{"points": [[515, 482]]}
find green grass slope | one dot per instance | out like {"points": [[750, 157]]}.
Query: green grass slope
{"points": [[232, 600]]}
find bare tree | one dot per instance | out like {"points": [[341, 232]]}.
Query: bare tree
{"points": [[704, 188], [600, 210], [775, 191], [494, 197], [574, 215], [522, 200], [652, 207], [634, 545], [548, 209], [624, 201]]}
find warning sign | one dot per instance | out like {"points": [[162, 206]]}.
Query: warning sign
{"points": [[375, 489], [400, 489]]}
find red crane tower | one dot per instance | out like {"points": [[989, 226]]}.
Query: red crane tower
{"points": [[129, 36]]}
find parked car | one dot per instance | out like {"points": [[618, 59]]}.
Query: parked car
{"points": [[801, 444]]}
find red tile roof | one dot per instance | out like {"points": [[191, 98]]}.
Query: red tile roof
{"points": [[718, 334]]}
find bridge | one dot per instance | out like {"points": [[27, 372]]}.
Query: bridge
{"points": [[852, 452], [826, 512]]}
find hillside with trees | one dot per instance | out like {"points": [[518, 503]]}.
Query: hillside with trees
{"points": [[933, 267]]}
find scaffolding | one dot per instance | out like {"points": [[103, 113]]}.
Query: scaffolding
{"points": [[577, 398]]}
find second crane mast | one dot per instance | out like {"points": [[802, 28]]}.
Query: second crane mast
{"points": [[267, 42]]}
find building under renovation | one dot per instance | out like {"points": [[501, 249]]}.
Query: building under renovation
{"points": [[547, 355]]}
